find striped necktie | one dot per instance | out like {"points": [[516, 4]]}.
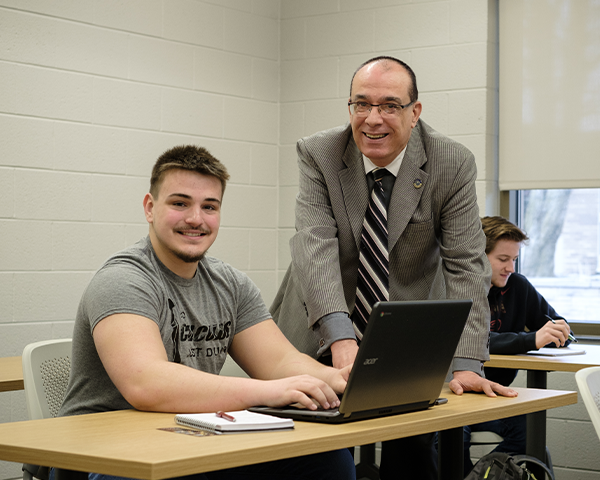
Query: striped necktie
{"points": [[373, 269]]}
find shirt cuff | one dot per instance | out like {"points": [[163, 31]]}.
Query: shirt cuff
{"points": [[331, 328], [470, 364]]}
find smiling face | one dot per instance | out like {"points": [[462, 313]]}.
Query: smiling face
{"points": [[502, 259], [184, 219], [382, 138]]}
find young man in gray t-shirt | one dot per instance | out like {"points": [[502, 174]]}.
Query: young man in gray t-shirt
{"points": [[158, 319]]}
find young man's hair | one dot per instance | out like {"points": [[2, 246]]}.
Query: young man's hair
{"points": [[413, 92], [187, 157], [499, 228]]}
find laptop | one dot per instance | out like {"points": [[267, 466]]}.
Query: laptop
{"points": [[401, 365]]}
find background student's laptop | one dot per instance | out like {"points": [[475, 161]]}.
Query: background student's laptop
{"points": [[401, 364]]}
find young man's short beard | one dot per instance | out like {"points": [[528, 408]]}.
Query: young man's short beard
{"points": [[189, 258]]}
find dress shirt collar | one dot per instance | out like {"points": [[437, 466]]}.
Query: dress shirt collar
{"points": [[393, 167]]}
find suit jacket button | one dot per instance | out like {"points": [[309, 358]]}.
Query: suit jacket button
{"points": [[321, 342]]}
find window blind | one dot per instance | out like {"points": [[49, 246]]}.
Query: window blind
{"points": [[549, 98]]}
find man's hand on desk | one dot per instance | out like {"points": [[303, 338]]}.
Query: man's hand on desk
{"points": [[467, 381], [343, 353]]}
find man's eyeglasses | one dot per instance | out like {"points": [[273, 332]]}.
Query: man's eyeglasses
{"points": [[364, 108]]}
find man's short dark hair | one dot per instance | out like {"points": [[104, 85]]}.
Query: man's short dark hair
{"points": [[187, 157], [499, 228], [413, 92]]}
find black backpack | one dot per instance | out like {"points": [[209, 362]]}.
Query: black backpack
{"points": [[502, 466]]}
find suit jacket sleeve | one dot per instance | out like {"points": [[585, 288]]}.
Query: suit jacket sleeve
{"points": [[315, 247], [466, 269]]}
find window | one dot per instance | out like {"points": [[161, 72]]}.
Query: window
{"points": [[562, 257]]}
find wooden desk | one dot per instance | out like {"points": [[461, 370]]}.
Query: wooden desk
{"points": [[11, 374], [127, 443], [568, 363], [537, 367]]}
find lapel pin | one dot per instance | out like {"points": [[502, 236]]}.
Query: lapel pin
{"points": [[417, 183]]}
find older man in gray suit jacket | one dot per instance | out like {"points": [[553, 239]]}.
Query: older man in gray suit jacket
{"points": [[435, 241]]}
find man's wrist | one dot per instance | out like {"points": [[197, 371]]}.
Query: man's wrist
{"points": [[331, 328], [468, 364]]}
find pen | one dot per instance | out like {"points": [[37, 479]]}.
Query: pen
{"points": [[226, 416], [571, 336]]}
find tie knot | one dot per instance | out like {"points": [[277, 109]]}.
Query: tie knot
{"points": [[379, 173], [384, 179]]}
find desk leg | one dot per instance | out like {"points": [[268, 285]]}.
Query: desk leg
{"points": [[537, 379], [536, 424], [62, 474], [450, 454], [367, 468]]}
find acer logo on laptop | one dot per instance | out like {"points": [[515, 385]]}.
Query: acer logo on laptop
{"points": [[370, 361]]}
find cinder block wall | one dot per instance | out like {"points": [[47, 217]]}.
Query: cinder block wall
{"points": [[92, 92]]}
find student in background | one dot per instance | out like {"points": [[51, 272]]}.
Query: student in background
{"points": [[519, 323]]}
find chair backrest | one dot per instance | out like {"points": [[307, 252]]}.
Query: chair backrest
{"points": [[588, 381], [232, 369], [485, 438], [46, 367]]}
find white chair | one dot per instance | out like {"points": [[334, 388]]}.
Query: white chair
{"points": [[588, 381], [46, 368], [488, 439], [232, 369]]}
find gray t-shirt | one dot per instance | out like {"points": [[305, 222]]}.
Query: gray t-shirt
{"points": [[197, 318]]}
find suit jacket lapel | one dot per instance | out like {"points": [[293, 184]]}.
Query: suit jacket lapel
{"points": [[354, 188], [408, 188]]}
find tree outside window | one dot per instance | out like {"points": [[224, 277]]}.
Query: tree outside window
{"points": [[562, 258]]}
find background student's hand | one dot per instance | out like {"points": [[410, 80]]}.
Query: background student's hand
{"points": [[343, 353], [467, 381], [556, 333], [304, 389]]}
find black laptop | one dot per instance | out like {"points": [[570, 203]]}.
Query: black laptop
{"points": [[401, 365]]}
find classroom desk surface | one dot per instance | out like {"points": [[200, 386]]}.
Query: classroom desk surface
{"points": [[128, 443], [11, 374], [567, 363]]}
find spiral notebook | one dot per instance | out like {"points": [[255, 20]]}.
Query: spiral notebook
{"points": [[245, 421]]}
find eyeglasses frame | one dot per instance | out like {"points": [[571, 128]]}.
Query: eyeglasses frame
{"points": [[371, 105]]}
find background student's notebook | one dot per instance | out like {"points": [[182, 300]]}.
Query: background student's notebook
{"points": [[557, 352], [245, 421], [402, 362]]}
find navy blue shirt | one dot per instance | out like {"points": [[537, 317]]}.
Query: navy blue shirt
{"points": [[515, 308]]}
